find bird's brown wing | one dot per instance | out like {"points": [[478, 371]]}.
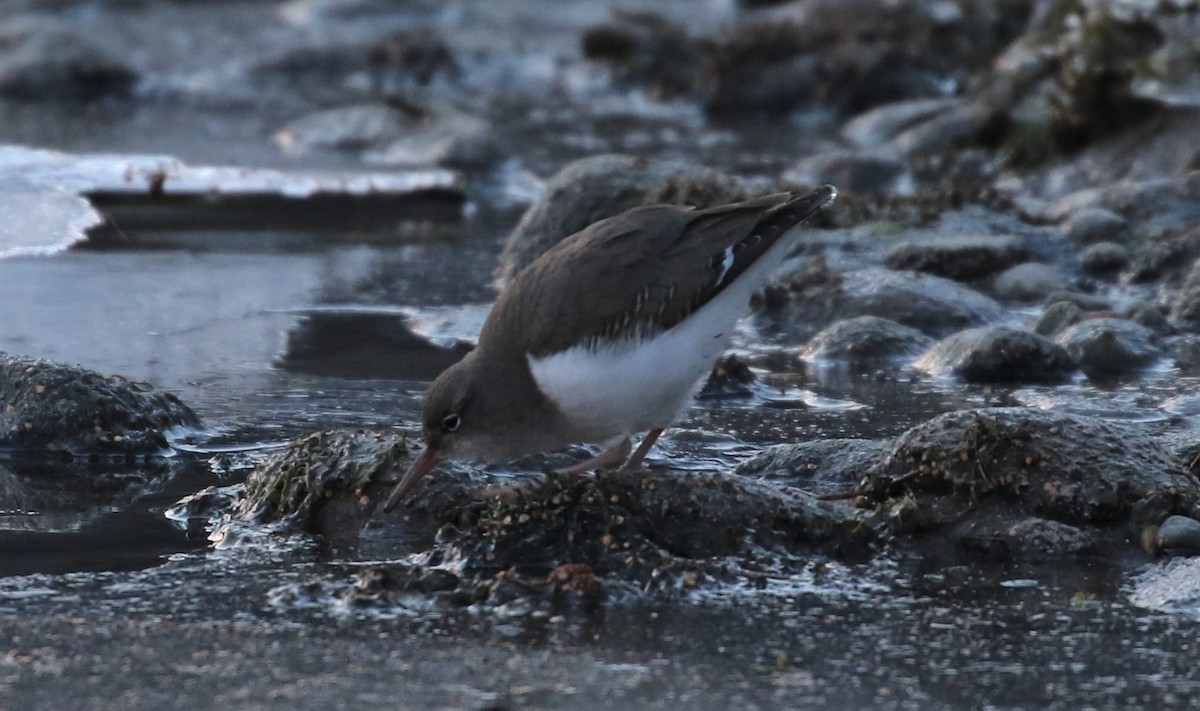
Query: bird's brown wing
{"points": [[639, 273]]}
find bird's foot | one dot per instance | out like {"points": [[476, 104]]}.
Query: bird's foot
{"points": [[634, 463]]}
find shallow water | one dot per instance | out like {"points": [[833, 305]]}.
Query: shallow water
{"points": [[272, 333], [256, 341]]}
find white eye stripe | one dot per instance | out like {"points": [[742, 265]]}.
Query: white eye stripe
{"points": [[451, 422]]}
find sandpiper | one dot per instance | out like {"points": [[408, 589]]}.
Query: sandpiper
{"points": [[608, 334]]}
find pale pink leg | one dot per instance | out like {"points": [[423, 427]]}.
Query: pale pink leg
{"points": [[635, 461], [612, 455]]}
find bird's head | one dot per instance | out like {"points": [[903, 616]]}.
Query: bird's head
{"points": [[449, 424]]}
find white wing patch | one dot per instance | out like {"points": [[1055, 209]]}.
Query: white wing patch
{"points": [[726, 263]]}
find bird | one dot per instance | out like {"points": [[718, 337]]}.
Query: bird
{"points": [[607, 334]]}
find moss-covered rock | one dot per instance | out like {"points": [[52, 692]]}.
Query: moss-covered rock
{"points": [[54, 407]]}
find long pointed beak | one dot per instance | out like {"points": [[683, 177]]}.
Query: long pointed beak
{"points": [[421, 466]]}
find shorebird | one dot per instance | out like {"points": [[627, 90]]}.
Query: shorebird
{"points": [[608, 334]]}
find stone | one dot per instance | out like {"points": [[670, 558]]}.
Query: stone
{"points": [[1104, 259], [1110, 346], [47, 406], [998, 354], [992, 468], [865, 340], [1031, 281], [856, 172], [958, 258], [1058, 317], [1092, 225], [826, 465], [809, 300]]}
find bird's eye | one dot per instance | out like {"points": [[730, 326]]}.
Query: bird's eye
{"points": [[451, 422]]}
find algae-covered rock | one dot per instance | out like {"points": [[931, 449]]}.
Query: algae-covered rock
{"points": [[325, 480], [824, 465], [54, 407], [988, 469]]}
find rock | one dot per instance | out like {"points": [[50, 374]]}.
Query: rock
{"points": [[958, 258], [1179, 533], [1110, 346], [852, 56], [325, 481], [49, 64], [1030, 539], [1031, 281], [730, 377], [865, 340], [1185, 351], [647, 50], [864, 173], [822, 466], [1058, 317], [945, 132], [1087, 302], [1148, 314], [594, 188], [1187, 302], [1105, 258], [352, 128], [809, 300], [54, 407], [880, 126], [1092, 225], [998, 354], [1164, 258], [990, 469], [457, 141], [656, 533], [1160, 208]]}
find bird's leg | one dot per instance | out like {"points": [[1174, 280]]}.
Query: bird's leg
{"points": [[612, 455], [635, 461]]}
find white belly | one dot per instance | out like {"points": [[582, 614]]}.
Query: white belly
{"points": [[633, 386]]}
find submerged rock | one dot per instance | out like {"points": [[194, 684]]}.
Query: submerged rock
{"points": [[350, 128], [325, 481], [1104, 258], [998, 354], [812, 298], [1165, 257], [1187, 303], [865, 173], [1031, 281], [821, 465], [958, 258], [729, 377], [983, 474], [53, 407], [1058, 317], [1110, 346], [865, 340], [1092, 225], [48, 64], [594, 188]]}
